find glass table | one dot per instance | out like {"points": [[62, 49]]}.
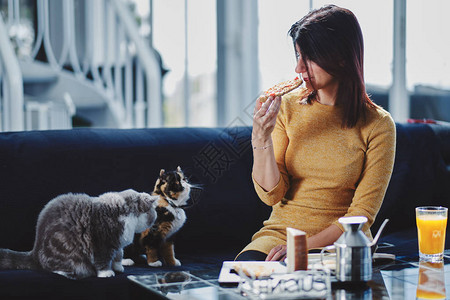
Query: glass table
{"points": [[404, 278]]}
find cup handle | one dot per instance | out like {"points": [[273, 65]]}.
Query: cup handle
{"points": [[322, 253]]}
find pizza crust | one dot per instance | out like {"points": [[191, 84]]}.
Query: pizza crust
{"points": [[281, 89]]}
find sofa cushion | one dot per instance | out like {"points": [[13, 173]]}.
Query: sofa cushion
{"points": [[25, 284]]}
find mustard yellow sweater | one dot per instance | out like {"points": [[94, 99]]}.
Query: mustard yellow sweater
{"points": [[327, 172]]}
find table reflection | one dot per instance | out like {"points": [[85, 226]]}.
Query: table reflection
{"points": [[173, 282], [361, 293], [431, 284]]}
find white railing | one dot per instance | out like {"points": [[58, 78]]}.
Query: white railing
{"points": [[115, 59], [47, 115], [148, 69], [11, 104]]}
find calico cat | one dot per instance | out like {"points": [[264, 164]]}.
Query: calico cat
{"points": [[80, 236], [156, 242]]}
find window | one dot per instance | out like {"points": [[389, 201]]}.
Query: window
{"points": [[198, 41], [276, 51], [427, 43]]}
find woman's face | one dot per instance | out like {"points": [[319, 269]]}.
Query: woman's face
{"points": [[318, 78]]}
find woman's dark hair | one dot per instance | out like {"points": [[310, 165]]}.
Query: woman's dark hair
{"points": [[331, 37]]}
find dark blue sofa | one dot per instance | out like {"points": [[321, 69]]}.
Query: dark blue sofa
{"points": [[37, 166]]}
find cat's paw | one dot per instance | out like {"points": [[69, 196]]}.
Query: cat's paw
{"points": [[177, 263], [62, 273], [155, 264], [117, 266], [105, 273], [127, 262]]}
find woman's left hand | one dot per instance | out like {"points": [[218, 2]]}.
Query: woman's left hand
{"points": [[278, 253]]}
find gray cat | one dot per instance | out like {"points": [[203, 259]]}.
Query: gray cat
{"points": [[80, 236]]}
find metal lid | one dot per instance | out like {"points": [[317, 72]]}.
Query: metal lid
{"points": [[353, 235]]}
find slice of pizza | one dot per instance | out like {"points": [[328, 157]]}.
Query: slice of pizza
{"points": [[281, 88], [255, 270]]}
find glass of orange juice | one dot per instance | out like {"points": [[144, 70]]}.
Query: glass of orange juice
{"points": [[431, 225]]}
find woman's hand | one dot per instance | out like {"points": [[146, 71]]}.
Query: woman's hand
{"points": [[264, 119], [278, 253]]}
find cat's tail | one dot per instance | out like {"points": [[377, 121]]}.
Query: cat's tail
{"points": [[10, 260]]}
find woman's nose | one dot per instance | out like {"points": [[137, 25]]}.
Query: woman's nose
{"points": [[300, 67]]}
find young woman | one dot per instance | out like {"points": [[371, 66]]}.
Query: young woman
{"points": [[324, 151]]}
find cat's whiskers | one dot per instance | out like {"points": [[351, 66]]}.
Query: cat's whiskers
{"points": [[196, 186]]}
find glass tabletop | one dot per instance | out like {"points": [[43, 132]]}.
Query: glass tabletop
{"points": [[201, 285], [404, 278], [417, 280]]}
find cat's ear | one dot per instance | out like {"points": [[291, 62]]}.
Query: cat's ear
{"points": [[162, 172], [180, 172]]}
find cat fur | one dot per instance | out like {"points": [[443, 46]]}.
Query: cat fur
{"points": [[80, 236], [172, 190]]}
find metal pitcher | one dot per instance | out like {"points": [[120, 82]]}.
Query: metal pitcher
{"points": [[353, 251]]}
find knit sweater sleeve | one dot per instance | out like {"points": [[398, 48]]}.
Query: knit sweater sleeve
{"points": [[280, 143], [376, 173]]}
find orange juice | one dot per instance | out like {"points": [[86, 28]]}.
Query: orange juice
{"points": [[421, 294], [431, 283], [431, 233]]}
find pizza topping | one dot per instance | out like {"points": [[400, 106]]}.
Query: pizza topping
{"points": [[281, 89], [256, 271]]}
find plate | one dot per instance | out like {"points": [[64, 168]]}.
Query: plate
{"points": [[229, 275], [329, 261]]}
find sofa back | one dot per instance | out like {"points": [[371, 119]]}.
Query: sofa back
{"points": [[39, 165], [421, 174]]}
